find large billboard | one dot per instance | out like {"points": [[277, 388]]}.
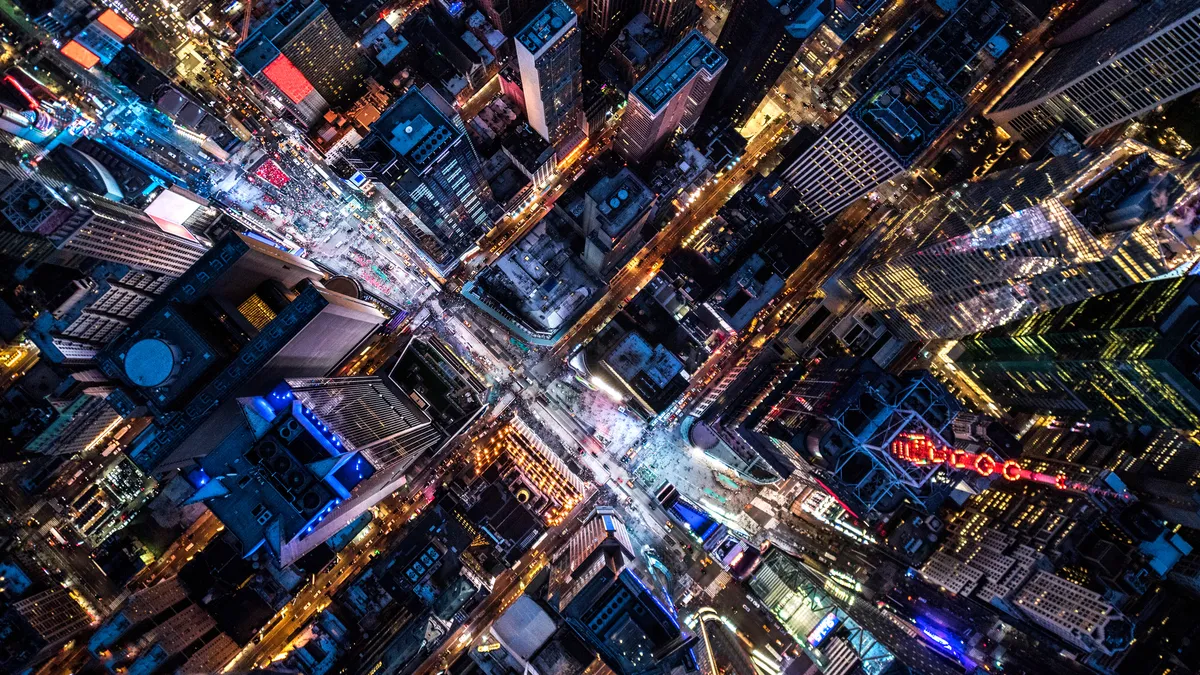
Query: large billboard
{"points": [[285, 75], [170, 210]]}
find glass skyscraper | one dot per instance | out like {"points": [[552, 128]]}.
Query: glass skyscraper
{"points": [[1129, 356], [551, 72], [419, 155], [1031, 239], [1108, 71]]}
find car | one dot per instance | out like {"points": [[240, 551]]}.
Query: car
{"points": [[629, 482]]}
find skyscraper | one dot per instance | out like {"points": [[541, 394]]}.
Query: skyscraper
{"points": [[844, 631], [370, 413], [54, 617], [1034, 238], [420, 157], [672, 17], [606, 16], [760, 38], [1108, 69], [551, 72], [300, 52], [242, 318], [1130, 356], [835, 421], [670, 96], [1079, 616], [882, 134], [290, 469], [81, 223], [76, 331], [601, 597]]}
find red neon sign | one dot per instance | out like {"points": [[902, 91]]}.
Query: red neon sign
{"points": [[285, 75], [920, 450], [33, 102]]}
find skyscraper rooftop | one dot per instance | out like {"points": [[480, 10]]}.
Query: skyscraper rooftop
{"points": [[908, 110], [692, 54], [416, 129], [542, 30]]}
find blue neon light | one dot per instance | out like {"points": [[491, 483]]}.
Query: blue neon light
{"points": [[197, 477], [939, 638], [823, 628]]}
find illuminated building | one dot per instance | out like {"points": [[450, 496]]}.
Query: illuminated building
{"points": [[720, 651], [672, 17], [605, 16], [370, 413], [81, 425], [290, 469], [882, 134], [299, 52], [535, 473], [635, 50], [539, 287], [824, 618], [1107, 68], [75, 331], [920, 450], [600, 542], [616, 209], [1080, 617], [1032, 239], [418, 154], [242, 318], [39, 624], [159, 629], [1131, 356], [760, 38], [837, 420], [551, 72], [603, 599], [82, 224], [670, 97]]}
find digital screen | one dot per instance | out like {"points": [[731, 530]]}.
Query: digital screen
{"points": [[80, 54], [113, 21], [822, 630], [288, 78], [170, 210]]}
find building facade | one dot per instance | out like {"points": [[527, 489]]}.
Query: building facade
{"points": [[418, 154], [1032, 239], [760, 38], [81, 223], [1079, 616], [548, 52], [301, 54], [1109, 70], [244, 317], [1128, 356], [882, 134], [670, 97]]}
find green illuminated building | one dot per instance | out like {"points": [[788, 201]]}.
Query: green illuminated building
{"points": [[1128, 356]]}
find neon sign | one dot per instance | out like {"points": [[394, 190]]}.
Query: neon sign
{"points": [[919, 450], [822, 630]]}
